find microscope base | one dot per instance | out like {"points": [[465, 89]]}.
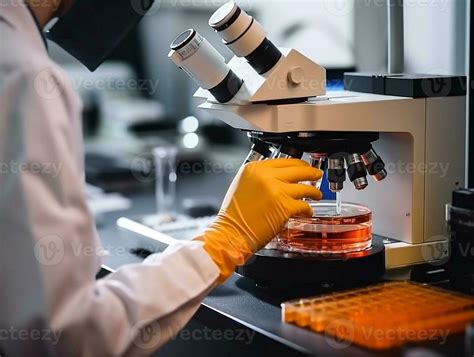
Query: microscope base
{"points": [[279, 269]]}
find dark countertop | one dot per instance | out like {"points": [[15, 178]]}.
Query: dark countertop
{"points": [[237, 303]]}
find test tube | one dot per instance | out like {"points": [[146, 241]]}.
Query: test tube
{"points": [[165, 166]]}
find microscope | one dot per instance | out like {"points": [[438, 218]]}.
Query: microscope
{"points": [[392, 142]]}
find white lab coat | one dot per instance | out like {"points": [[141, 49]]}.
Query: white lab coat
{"points": [[50, 251]]}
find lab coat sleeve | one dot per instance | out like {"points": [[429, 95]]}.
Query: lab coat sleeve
{"points": [[132, 311]]}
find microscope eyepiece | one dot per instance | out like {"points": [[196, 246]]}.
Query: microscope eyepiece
{"points": [[336, 174], [245, 37], [375, 165], [356, 171], [201, 61]]}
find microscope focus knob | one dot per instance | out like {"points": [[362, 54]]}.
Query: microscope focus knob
{"points": [[296, 75]]}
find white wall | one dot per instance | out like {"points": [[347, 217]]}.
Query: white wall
{"points": [[435, 36], [323, 29]]}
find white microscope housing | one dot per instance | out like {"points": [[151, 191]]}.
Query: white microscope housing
{"points": [[419, 121]]}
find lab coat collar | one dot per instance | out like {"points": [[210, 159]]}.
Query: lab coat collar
{"points": [[38, 26], [18, 15]]}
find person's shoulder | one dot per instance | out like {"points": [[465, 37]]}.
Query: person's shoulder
{"points": [[41, 79], [19, 50], [22, 58]]}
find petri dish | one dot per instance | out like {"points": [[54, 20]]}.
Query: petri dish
{"points": [[328, 232]]}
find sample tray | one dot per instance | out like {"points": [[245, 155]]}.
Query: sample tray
{"points": [[384, 315]]}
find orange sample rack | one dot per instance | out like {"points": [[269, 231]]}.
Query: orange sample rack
{"points": [[384, 315]]}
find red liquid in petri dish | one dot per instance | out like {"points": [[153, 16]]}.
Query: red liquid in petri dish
{"points": [[329, 233]]}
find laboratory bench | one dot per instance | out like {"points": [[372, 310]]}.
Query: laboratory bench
{"points": [[237, 317]]}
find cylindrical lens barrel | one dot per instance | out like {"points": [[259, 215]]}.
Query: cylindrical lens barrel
{"points": [[287, 152], [374, 164], [356, 171], [318, 161], [259, 151], [200, 60], [336, 174], [245, 37]]}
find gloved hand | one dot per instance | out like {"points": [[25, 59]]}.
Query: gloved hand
{"points": [[260, 200]]}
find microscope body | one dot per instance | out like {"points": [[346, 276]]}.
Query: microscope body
{"points": [[422, 141], [406, 131]]}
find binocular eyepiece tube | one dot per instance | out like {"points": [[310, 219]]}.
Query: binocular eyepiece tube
{"points": [[245, 37], [242, 34], [202, 62]]}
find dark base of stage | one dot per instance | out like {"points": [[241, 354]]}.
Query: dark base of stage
{"points": [[271, 268]]}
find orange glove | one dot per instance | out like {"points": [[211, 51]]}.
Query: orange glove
{"points": [[260, 200]]}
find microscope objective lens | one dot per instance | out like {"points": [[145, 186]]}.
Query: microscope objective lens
{"points": [[356, 171], [374, 164], [336, 174]]}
